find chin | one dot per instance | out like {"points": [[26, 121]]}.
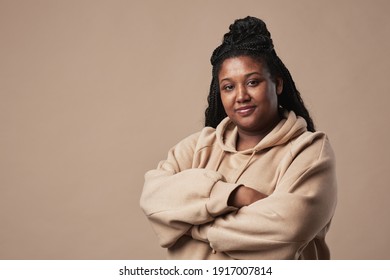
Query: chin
{"points": [[247, 122], [248, 126]]}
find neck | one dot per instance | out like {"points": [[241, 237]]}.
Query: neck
{"points": [[249, 139]]}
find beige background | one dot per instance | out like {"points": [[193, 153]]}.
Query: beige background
{"points": [[94, 93]]}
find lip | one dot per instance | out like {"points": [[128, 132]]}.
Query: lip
{"points": [[245, 110]]}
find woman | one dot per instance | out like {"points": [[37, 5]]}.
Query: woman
{"points": [[257, 182]]}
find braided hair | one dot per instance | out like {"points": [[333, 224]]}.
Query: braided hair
{"points": [[250, 37]]}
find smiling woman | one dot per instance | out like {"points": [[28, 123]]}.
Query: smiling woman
{"points": [[257, 182], [249, 97]]}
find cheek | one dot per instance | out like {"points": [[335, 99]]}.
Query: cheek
{"points": [[226, 101], [271, 95], [272, 100]]}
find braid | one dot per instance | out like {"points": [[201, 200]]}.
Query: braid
{"points": [[290, 98], [250, 37], [215, 113]]}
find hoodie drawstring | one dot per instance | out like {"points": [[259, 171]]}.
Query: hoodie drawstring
{"points": [[246, 165]]}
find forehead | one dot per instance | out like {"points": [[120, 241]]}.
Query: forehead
{"points": [[241, 65]]}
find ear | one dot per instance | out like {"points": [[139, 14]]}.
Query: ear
{"points": [[279, 85]]}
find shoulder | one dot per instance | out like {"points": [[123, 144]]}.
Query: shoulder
{"points": [[207, 138], [198, 140], [313, 144]]}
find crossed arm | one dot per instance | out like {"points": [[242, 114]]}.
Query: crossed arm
{"points": [[237, 219]]}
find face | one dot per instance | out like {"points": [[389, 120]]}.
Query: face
{"points": [[249, 94]]}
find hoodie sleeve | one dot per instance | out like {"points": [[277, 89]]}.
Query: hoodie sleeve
{"points": [[281, 225], [176, 196]]}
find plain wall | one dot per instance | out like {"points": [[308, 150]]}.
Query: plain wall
{"points": [[94, 93]]}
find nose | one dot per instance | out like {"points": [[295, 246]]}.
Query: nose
{"points": [[242, 95]]}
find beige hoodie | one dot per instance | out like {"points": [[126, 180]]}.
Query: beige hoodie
{"points": [[185, 198]]}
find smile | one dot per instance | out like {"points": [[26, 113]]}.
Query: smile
{"points": [[245, 111]]}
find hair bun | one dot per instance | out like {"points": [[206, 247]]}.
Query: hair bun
{"points": [[247, 34], [247, 29]]}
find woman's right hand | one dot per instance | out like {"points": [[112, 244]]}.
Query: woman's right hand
{"points": [[244, 196]]}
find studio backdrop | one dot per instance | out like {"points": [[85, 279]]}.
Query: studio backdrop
{"points": [[94, 93]]}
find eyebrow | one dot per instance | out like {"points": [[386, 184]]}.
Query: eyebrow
{"points": [[246, 75]]}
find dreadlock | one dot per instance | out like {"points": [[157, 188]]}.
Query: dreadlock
{"points": [[250, 37]]}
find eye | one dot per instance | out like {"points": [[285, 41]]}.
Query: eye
{"points": [[227, 87], [253, 83]]}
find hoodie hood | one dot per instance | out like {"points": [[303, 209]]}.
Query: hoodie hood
{"points": [[288, 128]]}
